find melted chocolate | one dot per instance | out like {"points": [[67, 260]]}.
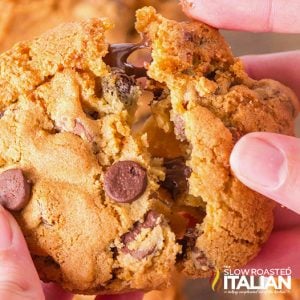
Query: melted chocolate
{"points": [[117, 58], [177, 174]]}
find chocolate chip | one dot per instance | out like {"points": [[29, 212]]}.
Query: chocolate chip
{"points": [[14, 189], [179, 128], [150, 221], [125, 181], [118, 84], [177, 174], [117, 58], [1, 114]]}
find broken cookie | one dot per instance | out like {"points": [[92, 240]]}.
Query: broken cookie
{"points": [[106, 208]]}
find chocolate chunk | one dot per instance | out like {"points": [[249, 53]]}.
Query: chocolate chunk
{"points": [[150, 221], [117, 58], [179, 128], [190, 237], [1, 114], [177, 174], [200, 260], [187, 242], [15, 189], [125, 181], [124, 84]]}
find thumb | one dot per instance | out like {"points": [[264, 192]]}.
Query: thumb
{"points": [[18, 277], [270, 164]]}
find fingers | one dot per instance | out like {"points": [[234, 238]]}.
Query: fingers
{"points": [[18, 277], [128, 296], [54, 292], [270, 164], [285, 218], [278, 66], [254, 15], [280, 251]]}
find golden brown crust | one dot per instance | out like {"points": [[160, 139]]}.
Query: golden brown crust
{"points": [[72, 45]]}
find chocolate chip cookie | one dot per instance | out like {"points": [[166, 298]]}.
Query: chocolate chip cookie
{"points": [[108, 209]]}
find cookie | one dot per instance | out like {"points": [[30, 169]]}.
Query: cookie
{"points": [[105, 209]]}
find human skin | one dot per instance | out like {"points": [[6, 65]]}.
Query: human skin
{"points": [[266, 162]]}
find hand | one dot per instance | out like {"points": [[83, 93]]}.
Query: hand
{"points": [[18, 277], [266, 162]]}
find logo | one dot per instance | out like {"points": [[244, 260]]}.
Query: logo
{"points": [[216, 281], [252, 281]]}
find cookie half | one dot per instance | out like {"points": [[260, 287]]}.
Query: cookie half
{"points": [[211, 104]]}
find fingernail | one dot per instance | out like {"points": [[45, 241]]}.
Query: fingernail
{"points": [[259, 163], [5, 230]]}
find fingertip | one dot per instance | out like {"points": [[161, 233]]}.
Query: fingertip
{"points": [[255, 15], [205, 11], [236, 157], [18, 276], [269, 163], [53, 291]]}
